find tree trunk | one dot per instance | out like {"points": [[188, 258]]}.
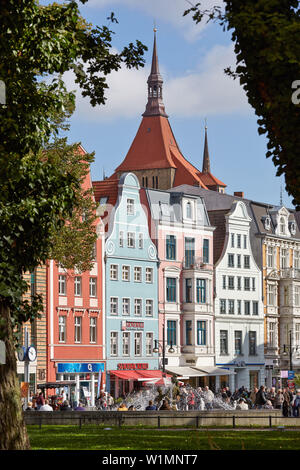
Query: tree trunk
{"points": [[13, 432]]}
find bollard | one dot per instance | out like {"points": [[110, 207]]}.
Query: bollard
{"points": [[233, 421]]}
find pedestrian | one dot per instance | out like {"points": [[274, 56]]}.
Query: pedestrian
{"points": [[286, 405], [261, 398], [165, 405], [242, 405], [29, 406], [208, 396], [65, 406], [151, 406], [110, 401], [122, 407], [46, 406], [40, 401], [191, 401], [80, 407], [278, 400], [296, 404], [253, 396]]}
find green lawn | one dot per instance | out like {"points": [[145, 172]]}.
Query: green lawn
{"points": [[91, 437]]}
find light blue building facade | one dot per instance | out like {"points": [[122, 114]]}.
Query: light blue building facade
{"points": [[131, 292]]}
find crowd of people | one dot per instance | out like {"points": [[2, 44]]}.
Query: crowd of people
{"points": [[183, 399]]}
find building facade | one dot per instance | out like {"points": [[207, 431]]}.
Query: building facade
{"points": [[131, 267]]}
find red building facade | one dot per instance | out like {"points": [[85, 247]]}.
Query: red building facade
{"points": [[75, 326]]}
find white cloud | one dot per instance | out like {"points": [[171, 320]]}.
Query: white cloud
{"points": [[170, 11], [202, 92]]}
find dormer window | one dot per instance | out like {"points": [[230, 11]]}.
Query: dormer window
{"points": [[188, 210], [282, 225], [293, 228], [267, 223]]}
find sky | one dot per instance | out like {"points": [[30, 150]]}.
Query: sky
{"points": [[192, 59]]}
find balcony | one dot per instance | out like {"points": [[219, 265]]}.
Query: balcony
{"points": [[290, 273], [195, 263]]}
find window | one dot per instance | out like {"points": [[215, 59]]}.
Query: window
{"points": [[149, 344], [77, 329], [113, 305], [231, 306], [171, 289], [126, 343], [103, 200], [126, 306], [126, 273], [62, 329], [201, 333], [239, 283], [286, 296], [141, 240], [246, 283], [284, 258], [77, 286], [188, 290], [131, 240], [271, 335], [149, 275], [223, 342], [149, 308], [224, 282], [93, 287], [113, 343], [188, 210], [297, 334], [239, 307], [230, 260], [93, 330], [270, 256], [297, 259], [62, 284], [238, 240], [130, 206], [137, 344], [171, 332], [201, 291], [282, 225], [255, 308], [297, 296], [247, 307], [171, 247], [188, 332], [114, 272], [253, 283], [189, 252], [247, 262], [138, 307], [252, 343], [238, 343], [231, 282], [271, 294], [206, 251], [222, 305], [245, 241], [239, 264], [121, 239], [137, 274], [232, 240]]}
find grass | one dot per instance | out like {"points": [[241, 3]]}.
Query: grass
{"points": [[100, 438]]}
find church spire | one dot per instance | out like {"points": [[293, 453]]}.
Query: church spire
{"points": [[206, 161], [155, 105]]}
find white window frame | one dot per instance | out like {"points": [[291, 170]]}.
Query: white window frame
{"points": [[114, 343], [138, 270], [126, 302], [149, 308], [114, 272], [114, 301], [138, 343], [93, 287], [138, 307], [62, 284], [93, 330], [126, 343], [125, 269], [62, 328], [149, 343], [149, 279], [78, 286], [77, 329], [130, 239]]}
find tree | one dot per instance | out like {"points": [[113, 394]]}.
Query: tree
{"points": [[39, 190], [266, 34]]}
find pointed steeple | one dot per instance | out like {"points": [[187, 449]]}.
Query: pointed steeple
{"points": [[206, 161], [155, 105]]}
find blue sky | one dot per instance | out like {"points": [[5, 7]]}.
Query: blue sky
{"points": [[192, 59]]}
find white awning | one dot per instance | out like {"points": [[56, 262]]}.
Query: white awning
{"points": [[185, 372], [209, 370]]}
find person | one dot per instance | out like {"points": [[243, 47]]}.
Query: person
{"points": [[268, 405], [80, 407], [191, 401], [296, 404], [29, 406], [261, 398], [131, 408], [151, 406], [46, 406], [122, 407], [65, 406], [40, 401], [208, 396], [242, 405], [278, 400], [253, 396], [165, 405], [110, 401], [286, 405]]}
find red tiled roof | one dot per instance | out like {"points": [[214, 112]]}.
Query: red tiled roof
{"points": [[210, 180]]}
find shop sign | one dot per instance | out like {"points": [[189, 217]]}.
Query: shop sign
{"points": [[132, 325], [74, 368], [132, 366]]}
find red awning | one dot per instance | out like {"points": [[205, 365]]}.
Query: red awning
{"points": [[152, 374], [126, 374]]}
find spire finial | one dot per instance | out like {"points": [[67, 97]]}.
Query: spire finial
{"points": [[155, 106], [206, 160]]}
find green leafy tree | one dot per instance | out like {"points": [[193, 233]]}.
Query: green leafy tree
{"points": [[266, 35], [41, 181]]}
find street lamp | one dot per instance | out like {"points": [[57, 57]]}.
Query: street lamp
{"points": [[162, 344], [287, 348]]}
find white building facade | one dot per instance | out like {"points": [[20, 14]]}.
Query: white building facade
{"points": [[239, 316]]}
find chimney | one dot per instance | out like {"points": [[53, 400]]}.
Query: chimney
{"points": [[239, 193]]}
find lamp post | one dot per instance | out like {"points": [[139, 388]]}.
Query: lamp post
{"points": [[162, 344], [290, 350]]}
